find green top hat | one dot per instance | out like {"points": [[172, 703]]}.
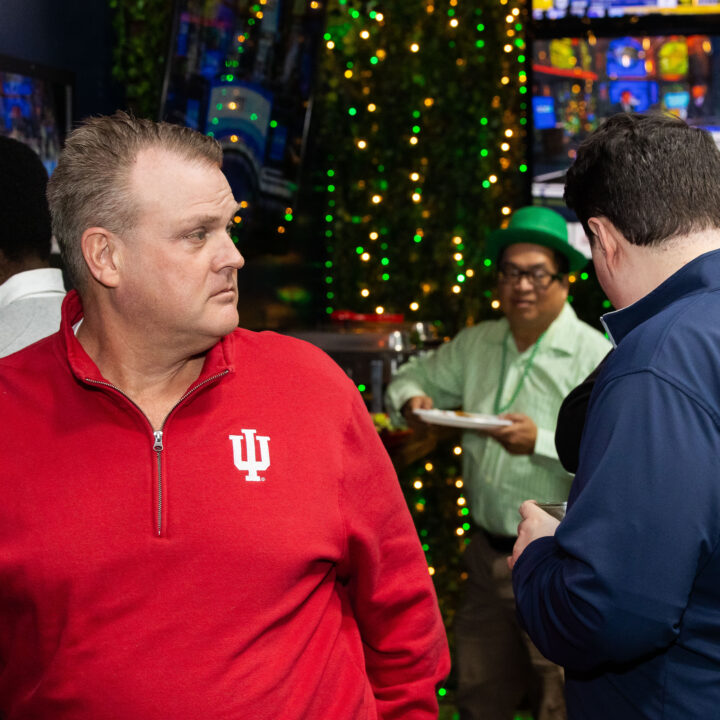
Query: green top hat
{"points": [[540, 226]]}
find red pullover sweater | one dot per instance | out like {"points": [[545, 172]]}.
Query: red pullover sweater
{"points": [[254, 560]]}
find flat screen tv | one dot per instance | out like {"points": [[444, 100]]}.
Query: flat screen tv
{"points": [[579, 82], [35, 106], [557, 9], [243, 73]]}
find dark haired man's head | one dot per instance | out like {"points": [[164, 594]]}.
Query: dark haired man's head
{"points": [[652, 176], [25, 229]]}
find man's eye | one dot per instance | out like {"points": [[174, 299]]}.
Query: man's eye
{"points": [[539, 274], [198, 234]]}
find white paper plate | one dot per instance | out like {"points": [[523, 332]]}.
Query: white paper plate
{"points": [[458, 418]]}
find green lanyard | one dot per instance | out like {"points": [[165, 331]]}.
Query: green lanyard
{"points": [[497, 409]]}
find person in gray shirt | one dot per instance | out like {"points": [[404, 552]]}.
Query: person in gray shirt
{"points": [[31, 292]]}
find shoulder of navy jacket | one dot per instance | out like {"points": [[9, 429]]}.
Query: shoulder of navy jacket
{"points": [[701, 274]]}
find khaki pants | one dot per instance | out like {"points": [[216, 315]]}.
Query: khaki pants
{"points": [[498, 666]]}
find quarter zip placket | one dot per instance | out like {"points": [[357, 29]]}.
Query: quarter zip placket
{"points": [[157, 435], [158, 448]]}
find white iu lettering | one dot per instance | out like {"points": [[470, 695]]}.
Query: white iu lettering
{"points": [[250, 463]]}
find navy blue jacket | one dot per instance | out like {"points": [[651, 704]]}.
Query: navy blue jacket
{"points": [[626, 595]]}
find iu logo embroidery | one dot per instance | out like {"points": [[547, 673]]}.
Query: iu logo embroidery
{"points": [[248, 460]]}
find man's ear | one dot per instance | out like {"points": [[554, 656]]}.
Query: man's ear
{"points": [[605, 237], [100, 250]]}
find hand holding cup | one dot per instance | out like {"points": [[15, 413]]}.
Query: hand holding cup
{"points": [[536, 523]]}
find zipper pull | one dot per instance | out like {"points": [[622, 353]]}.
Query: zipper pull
{"points": [[158, 446]]}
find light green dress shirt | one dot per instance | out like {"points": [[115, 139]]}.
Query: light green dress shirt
{"points": [[465, 373]]}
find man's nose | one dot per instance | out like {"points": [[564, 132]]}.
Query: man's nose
{"points": [[237, 259], [230, 256], [524, 283]]}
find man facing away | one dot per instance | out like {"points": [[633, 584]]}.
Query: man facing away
{"points": [[626, 592], [197, 520], [31, 292], [521, 367]]}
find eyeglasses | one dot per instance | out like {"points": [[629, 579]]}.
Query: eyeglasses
{"points": [[540, 278]]}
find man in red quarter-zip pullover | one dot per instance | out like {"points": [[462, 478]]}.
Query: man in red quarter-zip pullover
{"points": [[197, 521]]}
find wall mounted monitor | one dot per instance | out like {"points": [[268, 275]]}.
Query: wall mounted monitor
{"points": [[557, 9], [633, 95], [579, 82], [243, 74], [35, 106]]}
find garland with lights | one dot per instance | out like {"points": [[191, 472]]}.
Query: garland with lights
{"points": [[142, 30], [433, 490], [422, 120]]}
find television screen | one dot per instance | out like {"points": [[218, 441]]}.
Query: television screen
{"points": [[632, 95], [578, 82], [35, 107], [677, 101], [242, 73], [544, 112], [556, 9], [625, 58]]}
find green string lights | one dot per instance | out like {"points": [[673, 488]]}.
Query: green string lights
{"points": [[421, 126], [434, 492]]}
